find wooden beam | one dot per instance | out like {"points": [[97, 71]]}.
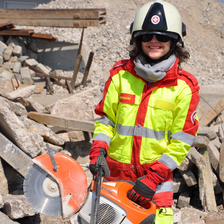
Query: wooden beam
{"points": [[67, 123], [76, 18], [28, 34], [213, 113], [8, 25], [16, 32]]}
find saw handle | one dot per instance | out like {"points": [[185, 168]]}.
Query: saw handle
{"points": [[51, 154], [94, 215]]}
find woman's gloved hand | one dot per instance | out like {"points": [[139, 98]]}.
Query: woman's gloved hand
{"points": [[97, 159], [145, 187], [141, 193]]}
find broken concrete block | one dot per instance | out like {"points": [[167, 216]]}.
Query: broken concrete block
{"points": [[184, 200], [64, 136], [195, 157], [23, 58], [75, 107], [206, 190], [214, 155], [7, 53], [16, 67], [14, 59], [184, 165], [43, 68], [221, 163], [79, 136], [6, 220], [32, 105], [205, 131], [201, 141], [20, 93], [189, 177], [1, 60], [9, 65], [16, 206], [25, 72], [4, 182], [179, 185], [217, 143], [6, 75], [17, 108], [13, 41], [31, 61], [17, 51], [32, 45], [1, 202], [3, 47], [14, 129]]}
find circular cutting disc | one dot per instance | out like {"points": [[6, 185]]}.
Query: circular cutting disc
{"points": [[42, 192]]}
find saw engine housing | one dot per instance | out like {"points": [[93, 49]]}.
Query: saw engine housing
{"points": [[115, 207]]}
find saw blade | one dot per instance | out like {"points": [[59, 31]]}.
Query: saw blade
{"points": [[42, 192]]}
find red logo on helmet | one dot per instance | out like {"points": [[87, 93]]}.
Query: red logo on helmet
{"points": [[155, 19]]}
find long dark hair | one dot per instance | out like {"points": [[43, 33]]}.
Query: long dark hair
{"points": [[135, 48]]}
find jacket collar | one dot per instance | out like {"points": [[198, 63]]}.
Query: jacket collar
{"points": [[169, 80]]}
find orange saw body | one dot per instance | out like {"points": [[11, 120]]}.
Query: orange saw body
{"points": [[58, 187]]}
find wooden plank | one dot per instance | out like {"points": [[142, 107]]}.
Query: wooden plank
{"points": [[76, 18], [8, 25], [67, 123], [29, 34], [94, 13], [213, 113], [55, 23], [16, 32]]}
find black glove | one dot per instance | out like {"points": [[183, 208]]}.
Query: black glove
{"points": [[141, 193], [97, 157]]}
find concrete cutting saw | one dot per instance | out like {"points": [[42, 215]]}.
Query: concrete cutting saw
{"points": [[56, 185]]}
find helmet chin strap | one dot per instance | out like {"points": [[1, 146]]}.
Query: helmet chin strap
{"points": [[164, 57]]}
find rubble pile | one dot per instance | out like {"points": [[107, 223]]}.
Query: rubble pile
{"points": [[198, 182]]}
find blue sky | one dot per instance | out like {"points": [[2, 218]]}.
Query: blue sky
{"points": [[222, 1]]}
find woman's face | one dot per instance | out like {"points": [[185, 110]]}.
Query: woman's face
{"points": [[155, 49]]}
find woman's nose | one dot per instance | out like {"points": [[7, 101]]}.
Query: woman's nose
{"points": [[154, 38]]}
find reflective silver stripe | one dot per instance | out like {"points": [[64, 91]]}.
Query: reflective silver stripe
{"points": [[103, 137], [184, 137], [105, 120], [140, 131], [168, 161], [165, 187]]}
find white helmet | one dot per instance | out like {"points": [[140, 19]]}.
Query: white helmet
{"points": [[159, 17]]}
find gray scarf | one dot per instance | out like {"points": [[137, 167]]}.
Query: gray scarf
{"points": [[155, 72]]}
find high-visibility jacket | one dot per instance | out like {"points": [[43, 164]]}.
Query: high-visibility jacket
{"points": [[142, 122]]}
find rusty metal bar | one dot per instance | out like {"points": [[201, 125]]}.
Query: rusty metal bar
{"points": [[88, 65]]}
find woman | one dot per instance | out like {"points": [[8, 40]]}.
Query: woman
{"points": [[148, 111]]}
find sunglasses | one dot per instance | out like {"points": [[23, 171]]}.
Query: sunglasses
{"points": [[159, 37]]}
